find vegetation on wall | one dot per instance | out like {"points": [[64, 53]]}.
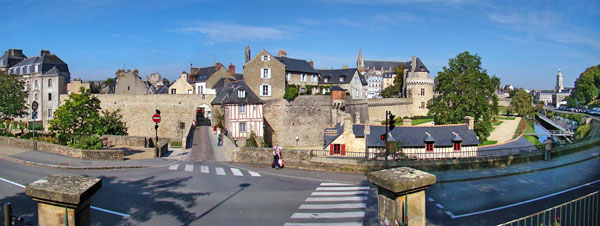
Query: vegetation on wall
{"points": [[587, 87], [291, 92]]}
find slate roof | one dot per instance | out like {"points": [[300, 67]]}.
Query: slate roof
{"points": [[337, 88], [203, 74], [229, 95], [415, 136], [159, 90], [47, 60], [297, 65], [335, 74], [221, 83], [239, 77], [8, 60], [332, 133], [376, 64], [53, 71]]}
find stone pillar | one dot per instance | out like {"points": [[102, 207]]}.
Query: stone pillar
{"points": [[406, 122], [58, 195], [394, 187]]}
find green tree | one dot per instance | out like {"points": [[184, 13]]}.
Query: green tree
{"points": [[522, 103], [395, 89], [587, 87], [465, 89], [111, 123], [12, 97], [78, 116]]}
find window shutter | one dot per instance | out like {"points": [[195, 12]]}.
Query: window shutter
{"points": [[343, 149], [269, 91], [331, 149], [269, 73], [260, 90]]}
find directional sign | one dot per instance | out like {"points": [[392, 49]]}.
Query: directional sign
{"points": [[34, 105], [156, 118]]}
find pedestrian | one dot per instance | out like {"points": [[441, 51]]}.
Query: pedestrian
{"points": [[194, 123], [277, 161], [225, 131], [219, 139]]}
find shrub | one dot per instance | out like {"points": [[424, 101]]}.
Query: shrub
{"points": [[88, 142], [291, 92], [251, 141]]}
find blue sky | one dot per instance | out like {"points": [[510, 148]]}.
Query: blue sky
{"points": [[522, 42]]}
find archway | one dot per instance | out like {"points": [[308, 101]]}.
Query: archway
{"points": [[203, 115]]}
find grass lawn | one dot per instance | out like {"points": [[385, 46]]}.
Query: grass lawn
{"points": [[530, 129], [506, 117], [497, 123], [421, 121], [488, 142]]}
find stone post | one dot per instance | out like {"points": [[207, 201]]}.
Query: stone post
{"points": [[394, 187], [58, 195]]}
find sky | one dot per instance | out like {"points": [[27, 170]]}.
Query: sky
{"points": [[524, 43]]}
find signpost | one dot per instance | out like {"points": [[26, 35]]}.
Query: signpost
{"points": [[156, 118], [34, 107]]}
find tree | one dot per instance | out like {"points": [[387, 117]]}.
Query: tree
{"points": [[12, 97], [111, 123], [465, 89], [522, 103], [587, 87], [396, 88], [79, 115]]}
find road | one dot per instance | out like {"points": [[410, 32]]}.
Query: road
{"points": [[201, 191]]}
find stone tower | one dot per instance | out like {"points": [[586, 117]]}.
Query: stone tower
{"points": [[418, 86], [360, 63], [559, 81]]}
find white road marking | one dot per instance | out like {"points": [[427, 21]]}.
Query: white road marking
{"points": [[92, 207], [329, 215], [333, 206], [341, 188], [340, 193], [254, 174], [204, 169], [430, 199], [174, 167], [520, 203], [325, 224], [439, 206], [236, 172], [335, 184], [338, 199], [450, 214], [220, 171], [189, 167]]}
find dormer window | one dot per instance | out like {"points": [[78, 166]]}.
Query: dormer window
{"points": [[457, 146], [241, 93], [341, 79], [326, 79], [429, 147], [265, 58], [456, 141]]}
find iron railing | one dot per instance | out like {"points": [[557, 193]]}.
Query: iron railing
{"points": [[581, 211], [346, 154]]}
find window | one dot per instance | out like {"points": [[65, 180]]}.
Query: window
{"points": [[265, 90], [27, 71], [422, 91], [37, 68], [35, 85], [266, 58], [49, 113], [429, 147], [326, 79], [27, 87], [190, 91], [341, 79], [35, 97], [49, 82], [241, 93], [337, 149], [173, 91], [422, 105], [242, 108], [242, 127], [303, 77], [302, 90], [128, 87], [288, 76], [49, 96], [265, 73], [457, 146]]}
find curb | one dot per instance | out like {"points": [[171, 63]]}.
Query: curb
{"points": [[51, 166], [516, 173]]}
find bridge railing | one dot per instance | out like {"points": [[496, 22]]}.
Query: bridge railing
{"points": [[581, 211]]}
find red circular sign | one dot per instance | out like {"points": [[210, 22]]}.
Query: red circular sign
{"points": [[156, 118]]}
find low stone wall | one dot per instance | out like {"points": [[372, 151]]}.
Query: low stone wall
{"points": [[135, 141], [163, 149], [64, 150]]}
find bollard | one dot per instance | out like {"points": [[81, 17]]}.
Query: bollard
{"points": [[63, 200], [401, 195], [7, 214]]}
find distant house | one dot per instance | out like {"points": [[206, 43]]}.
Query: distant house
{"points": [[242, 110], [10, 58], [129, 82], [265, 75], [182, 85], [207, 80], [374, 88], [299, 72], [75, 86], [349, 79]]}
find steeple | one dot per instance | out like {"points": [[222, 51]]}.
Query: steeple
{"points": [[360, 63], [559, 81]]}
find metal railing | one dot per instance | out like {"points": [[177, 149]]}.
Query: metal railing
{"points": [[347, 154], [581, 211]]}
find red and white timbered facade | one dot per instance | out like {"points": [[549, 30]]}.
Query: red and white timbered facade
{"points": [[243, 118]]}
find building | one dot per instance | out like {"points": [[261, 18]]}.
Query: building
{"points": [[242, 110], [559, 82], [129, 83], [543, 96], [75, 86], [299, 72], [388, 80], [207, 80], [10, 58], [265, 75], [349, 79], [374, 87], [46, 77], [182, 85]]}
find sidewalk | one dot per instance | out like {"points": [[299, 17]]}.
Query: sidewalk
{"points": [[485, 173], [50, 160], [219, 151]]}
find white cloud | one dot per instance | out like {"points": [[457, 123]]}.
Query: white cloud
{"points": [[232, 32]]}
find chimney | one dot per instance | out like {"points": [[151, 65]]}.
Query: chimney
{"points": [[184, 75], [347, 123], [406, 122], [345, 67], [217, 66], [44, 52], [232, 69], [281, 53], [357, 117], [470, 121], [413, 64], [247, 54], [312, 64]]}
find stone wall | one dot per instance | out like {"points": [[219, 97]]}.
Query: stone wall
{"points": [[305, 117], [133, 141], [64, 150], [400, 107], [137, 111]]}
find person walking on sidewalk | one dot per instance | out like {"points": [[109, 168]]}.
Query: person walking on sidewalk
{"points": [[277, 161], [220, 139]]}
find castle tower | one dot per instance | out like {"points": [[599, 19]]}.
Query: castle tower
{"points": [[559, 81], [418, 86], [360, 62]]}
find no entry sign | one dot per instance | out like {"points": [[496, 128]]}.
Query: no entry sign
{"points": [[156, 118]]}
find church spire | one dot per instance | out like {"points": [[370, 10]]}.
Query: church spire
{"points": [[360, 63], [559, 81]]}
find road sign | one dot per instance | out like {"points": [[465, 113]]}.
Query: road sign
{"points": [[156, 118], [34, 114], [34, 105]]}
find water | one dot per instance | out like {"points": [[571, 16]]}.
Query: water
{"points": [[540, 129]]}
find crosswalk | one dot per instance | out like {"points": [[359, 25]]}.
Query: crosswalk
{"points": [[217, 170], [332, 204]]}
